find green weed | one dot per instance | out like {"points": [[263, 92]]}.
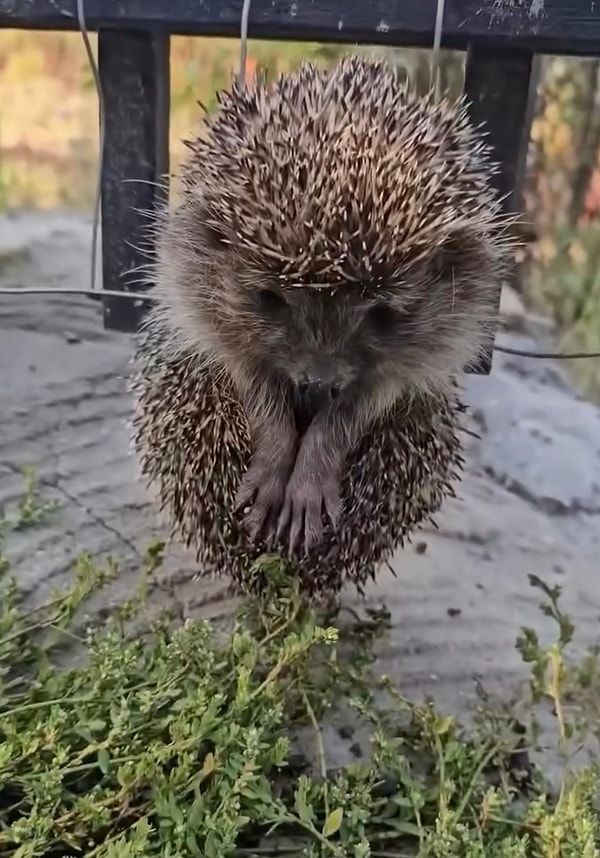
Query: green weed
{"points": [[180, 741], [32, 510]]}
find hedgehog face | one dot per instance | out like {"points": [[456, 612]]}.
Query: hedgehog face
{"points": [[343, 177], [415, 331], [325, 341], [313, 338]]}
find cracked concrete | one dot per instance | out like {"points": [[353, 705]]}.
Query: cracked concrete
{"points": [[529, 501], [65, 410]]}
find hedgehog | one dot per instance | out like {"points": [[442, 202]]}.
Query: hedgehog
{"points": [[330, 268], [194, 441]]}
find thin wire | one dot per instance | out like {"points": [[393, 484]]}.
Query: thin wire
{"points": [[437, 47], [244, 41], [73, 290], [102, 122], [546, 355]]}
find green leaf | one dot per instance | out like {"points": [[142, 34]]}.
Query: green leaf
{"points": [[209, 766], [305, 813], [405, 827], [103, 761], [211, 846], [192, 844], [175, 811], [302, 809], [402, 801], [197, 811], [333, 823], [443, 725]]}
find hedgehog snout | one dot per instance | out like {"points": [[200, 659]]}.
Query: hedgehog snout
{"points": [[317, 393]]}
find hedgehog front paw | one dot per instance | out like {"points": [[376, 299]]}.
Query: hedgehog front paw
{"points": [[306, 497], [263, 491]]}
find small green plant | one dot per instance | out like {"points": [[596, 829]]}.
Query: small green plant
{"points": [[32, 510], [180, 741]]}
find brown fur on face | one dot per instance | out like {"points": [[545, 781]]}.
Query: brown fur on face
{"points": [[336, 229]]}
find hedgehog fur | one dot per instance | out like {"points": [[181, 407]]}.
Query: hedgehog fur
{"points": [[193, 444], [336, 225]]}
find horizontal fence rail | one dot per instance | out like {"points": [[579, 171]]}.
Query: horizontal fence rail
{"points": [[543, 26]]}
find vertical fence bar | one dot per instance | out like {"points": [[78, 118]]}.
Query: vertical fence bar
{"points": [[497, 87], [134, 73]]}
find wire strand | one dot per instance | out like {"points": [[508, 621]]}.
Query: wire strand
{"points": [[546, 355], [437, 47], [244, 40], [74, 290], [102, 123]]}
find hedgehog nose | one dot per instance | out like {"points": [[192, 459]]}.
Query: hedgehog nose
{"points": [[318, 393]]}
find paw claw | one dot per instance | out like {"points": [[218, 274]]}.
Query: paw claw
{"points": [[263, 491], [333, 505], [302, 513], [243, 498], [295, 532]]}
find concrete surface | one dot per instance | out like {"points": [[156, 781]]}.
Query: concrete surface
{"points": [[529, 502]]}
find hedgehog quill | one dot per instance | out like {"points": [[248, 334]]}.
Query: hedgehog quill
{"points": [[330, 268]]}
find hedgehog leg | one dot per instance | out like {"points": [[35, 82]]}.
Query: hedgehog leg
{"points": [[263, 486], [315, 482], [309, 492]]}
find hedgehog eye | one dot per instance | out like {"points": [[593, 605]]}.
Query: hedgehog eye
{"points": [[271, 301], [382, 317]]}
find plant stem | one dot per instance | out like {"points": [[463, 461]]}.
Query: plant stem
{"points": [[320, 749]]}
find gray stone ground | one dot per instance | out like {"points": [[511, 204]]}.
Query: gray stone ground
{"points": [[529, 502]]}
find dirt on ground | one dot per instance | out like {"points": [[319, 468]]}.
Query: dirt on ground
{"points": [[529, 502]]}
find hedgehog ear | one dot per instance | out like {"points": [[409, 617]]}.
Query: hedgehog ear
{"points": [[446, 257], [455, 253], [194, 219], [213, 236]]}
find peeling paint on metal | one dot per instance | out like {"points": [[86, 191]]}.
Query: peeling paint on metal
{"points": [[503, 8], [537, 8]]}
